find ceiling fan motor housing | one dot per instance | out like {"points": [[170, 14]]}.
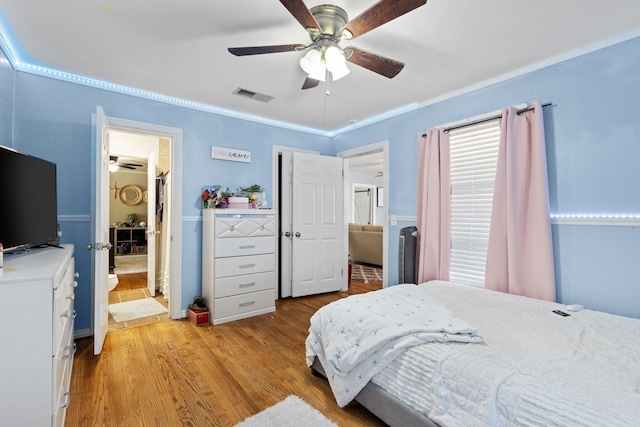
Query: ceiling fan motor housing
{"points": [[330, 18]]}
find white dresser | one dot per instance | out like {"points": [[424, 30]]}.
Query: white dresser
{"points": [[36, 332], [238, 262]]}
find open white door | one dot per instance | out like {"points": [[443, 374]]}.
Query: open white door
{"points": [[151, 224], [318, 205], [100, 232]]}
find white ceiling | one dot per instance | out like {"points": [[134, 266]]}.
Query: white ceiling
{"points": [[179, 49]]}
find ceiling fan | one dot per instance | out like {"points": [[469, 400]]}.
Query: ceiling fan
{"points": [[327, 26], [114, 164]]}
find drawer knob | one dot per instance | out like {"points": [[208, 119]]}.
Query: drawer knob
{"points": [[247, 247], [246, 304], [247, 265], [232, 228], [247, 285], [70, 349], [70, 313], [67, 399], [262, 227]]}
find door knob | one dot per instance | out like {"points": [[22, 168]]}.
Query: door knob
{"points": [[99, 246], [287, 234], [297, 234]]}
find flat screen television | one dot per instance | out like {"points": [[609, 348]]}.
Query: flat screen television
{"points": [[28, 200]]}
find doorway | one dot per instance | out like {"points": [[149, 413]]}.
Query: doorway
{"points": [[139, 184], [366, 178], [104, 125]]}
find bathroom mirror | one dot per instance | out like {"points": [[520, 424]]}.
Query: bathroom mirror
{"points": [[131, 194]]}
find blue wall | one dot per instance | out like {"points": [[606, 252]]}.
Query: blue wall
{"points": [[593, 151], [593, 143]]}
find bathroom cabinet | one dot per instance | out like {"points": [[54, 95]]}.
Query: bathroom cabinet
{"points": [[238, 263], [36, 330]]}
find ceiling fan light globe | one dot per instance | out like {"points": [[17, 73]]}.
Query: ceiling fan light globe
{"points": [[113, 167], [339, 73], [319, 74], [334, 58], [313, 65], [311, 60], [336, 62]]}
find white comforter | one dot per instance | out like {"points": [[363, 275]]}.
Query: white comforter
{"points": [[536, 368], [356, 337]]}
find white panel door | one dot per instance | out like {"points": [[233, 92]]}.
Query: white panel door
{"points": [[151, 224], [317, 224], [100, 233]]}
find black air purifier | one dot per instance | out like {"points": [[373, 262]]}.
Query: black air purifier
{"points": [[407, 255]]}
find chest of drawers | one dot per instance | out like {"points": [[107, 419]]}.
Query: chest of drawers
{"points": [[238, 263], [36, 330]]}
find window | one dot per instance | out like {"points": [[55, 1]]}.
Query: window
{"points": [[474, 155]]}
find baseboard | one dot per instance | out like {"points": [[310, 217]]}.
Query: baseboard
{"points": [[82, 333]]}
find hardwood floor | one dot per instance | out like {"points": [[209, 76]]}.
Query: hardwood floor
{"points": [[174, 373]]}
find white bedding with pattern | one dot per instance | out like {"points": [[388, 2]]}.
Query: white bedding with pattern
{"points": [[354, 338], [536, 368]]}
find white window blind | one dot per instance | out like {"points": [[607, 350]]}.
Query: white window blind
{"points": [[474, 155]]}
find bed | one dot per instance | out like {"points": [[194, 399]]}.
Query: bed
{"points": [[484, 359]]}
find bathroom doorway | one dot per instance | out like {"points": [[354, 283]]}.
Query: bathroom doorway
{"points": [[139, 213]]}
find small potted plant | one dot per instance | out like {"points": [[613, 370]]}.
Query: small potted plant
{"points": [[131, 219]]}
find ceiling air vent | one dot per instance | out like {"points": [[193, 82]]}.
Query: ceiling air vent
{"points": [[253, 95]]}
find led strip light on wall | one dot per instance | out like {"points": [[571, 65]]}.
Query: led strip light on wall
{"points": [[622, 220]]}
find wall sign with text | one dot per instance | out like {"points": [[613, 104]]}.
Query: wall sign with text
{"points": [[230, 154]]}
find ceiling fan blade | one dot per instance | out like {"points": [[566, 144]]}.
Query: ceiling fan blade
{"points": [[376, 63], [310, 83], [259, 50], [377, 15], [299, 11], [120, 165], [130, 164]]}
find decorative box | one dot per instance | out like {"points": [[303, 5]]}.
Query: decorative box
{"points": [[198, 317], [238, 202]]}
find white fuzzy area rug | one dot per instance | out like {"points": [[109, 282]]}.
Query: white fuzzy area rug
{"points": [[291, 412], [136, 309], [127, 264]]}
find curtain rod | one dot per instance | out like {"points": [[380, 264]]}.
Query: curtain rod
{"points": [[487, 119]]}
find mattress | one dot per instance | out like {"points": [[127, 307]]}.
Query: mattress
{"points": [[536, 368]]}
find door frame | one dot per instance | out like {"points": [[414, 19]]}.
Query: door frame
{"points": [[382, 146], [175, 134]]}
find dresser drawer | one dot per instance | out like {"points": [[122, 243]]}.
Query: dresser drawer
{"points": [[239, 304], [240, 246], [225, 267], [246, 283], [245, 227], [63, 312], [62, 366]]}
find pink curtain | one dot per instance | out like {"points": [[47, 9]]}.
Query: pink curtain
{"points": [[520, 252], [433, 219]]}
